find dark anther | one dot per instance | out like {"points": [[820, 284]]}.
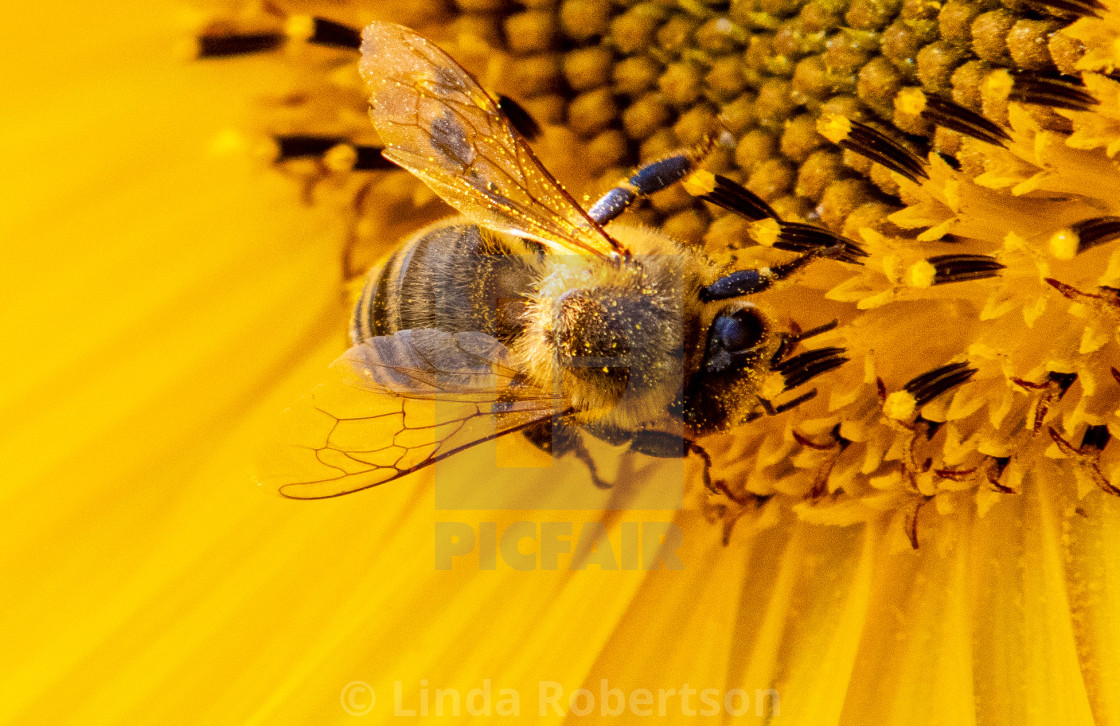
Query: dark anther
{"points": [[953, 162], [734, 197], [958, 268], [930, 385], [879, 147], [772, 410], [1070, 9], [1095, 438], [1095, 231], [521, 119], [804, 367], [369, 158], [224, 46], [335, 35], [295, 146], [1064, 92], [799, 237], [962, 120]]}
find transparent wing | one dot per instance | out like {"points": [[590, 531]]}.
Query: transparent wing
{"points": [[437, 122], [398, 403]]}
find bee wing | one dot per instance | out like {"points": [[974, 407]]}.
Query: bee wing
{"points": [[437, 122], [398, 403]]}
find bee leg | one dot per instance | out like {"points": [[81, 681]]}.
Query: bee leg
{"points": [[649, 178], [670, 446], [748, 282], [554, 438], [580, 452], [666, 445]]}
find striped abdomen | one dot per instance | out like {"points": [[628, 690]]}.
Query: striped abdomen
{"points": [[451, 276]]}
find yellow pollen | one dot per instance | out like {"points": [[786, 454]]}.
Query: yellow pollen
{"points": [[773, 386], [834, 127], [900, 405], [921, 274], [911, 101], [1064, 244], [299, 27], [341, 157], [999, 83], [765, 232], [699, 182]]}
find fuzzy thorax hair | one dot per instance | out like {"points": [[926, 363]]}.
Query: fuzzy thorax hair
{"points": [[618, 336]]}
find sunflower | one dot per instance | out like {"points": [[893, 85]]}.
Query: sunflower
{"points": [[931, 539]]}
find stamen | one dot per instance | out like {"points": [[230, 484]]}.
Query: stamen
{"points": [[369, 158], [837, 446], [1088, 454], [930, 385], [954, 268], [355, 157], [804, 367], [950, 115], [1096, 437], [320, 31], [956, 474], [723, 192], [872, 143], [1054, 389], [225, 46], [1084, 235], [521, 119], [912, 520], [1107, 295], [1065, 92], [954, 164], [837, 440], [295, 146], [799, 237]]}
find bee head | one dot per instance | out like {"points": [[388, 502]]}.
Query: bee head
{"points": [[736, 353]]}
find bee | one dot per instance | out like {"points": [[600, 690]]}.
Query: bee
{"points": [[530, 314]]}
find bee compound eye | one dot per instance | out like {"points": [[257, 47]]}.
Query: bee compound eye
{"points": [[739, 331]]}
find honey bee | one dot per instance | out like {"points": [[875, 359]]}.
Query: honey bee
{"points": [[530, 314]]}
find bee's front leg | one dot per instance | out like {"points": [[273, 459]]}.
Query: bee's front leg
{"points": [[554, 437], [665, 445]]}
